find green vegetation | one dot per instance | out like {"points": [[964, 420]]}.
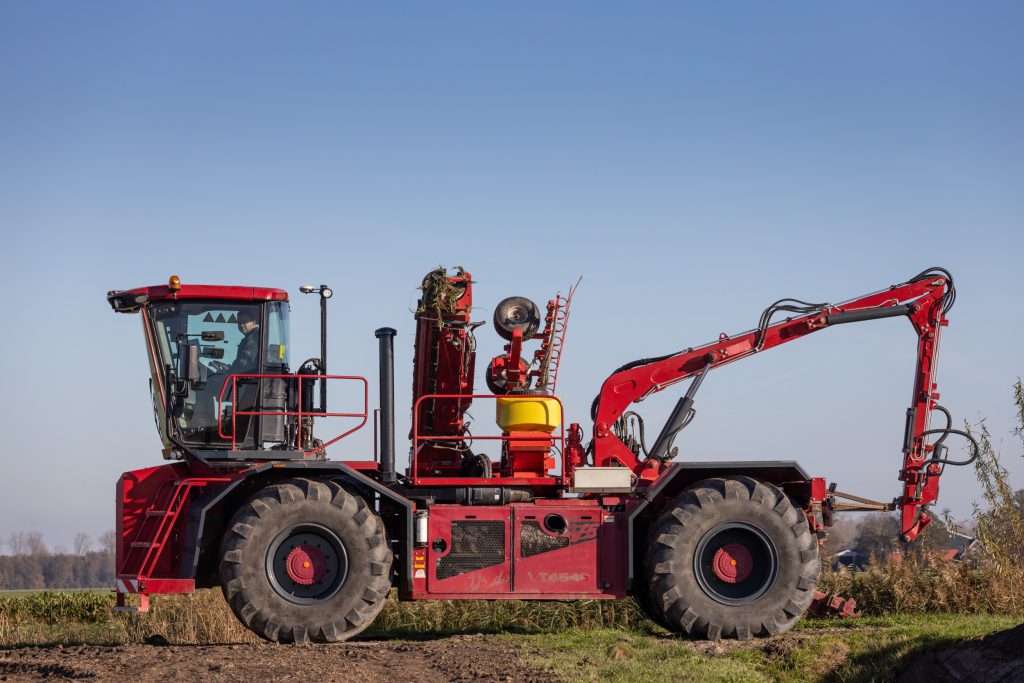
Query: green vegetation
{"points": [[849, 650]]}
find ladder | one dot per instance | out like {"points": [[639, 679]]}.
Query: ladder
{"points": [[556, 322], [143, 553]]}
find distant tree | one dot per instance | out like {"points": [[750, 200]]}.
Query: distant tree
{"points": [[108, 543], [25, 573], [17, 543], [878, 535], [840, 536], [83, 544], [58, 571], [34, 544], [935, 537], [33, 567]]}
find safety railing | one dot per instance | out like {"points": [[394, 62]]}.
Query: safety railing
{"points": [[557, 441], [299, 413]]}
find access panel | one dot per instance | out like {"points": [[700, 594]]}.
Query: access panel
{"points": [[556, 549], [468, 550]]}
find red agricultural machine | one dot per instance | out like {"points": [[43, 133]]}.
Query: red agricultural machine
{"points": [[308, 549]]}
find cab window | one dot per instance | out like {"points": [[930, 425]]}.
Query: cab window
{"points": [[276, 353]]}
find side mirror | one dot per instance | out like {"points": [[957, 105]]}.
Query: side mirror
{"points": [[212, 335], [188, 363]]}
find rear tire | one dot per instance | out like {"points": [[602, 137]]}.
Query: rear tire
{"points": [[305, 561], [730, 558]]}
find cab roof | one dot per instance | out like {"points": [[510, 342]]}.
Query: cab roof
{"points": [[131, 300]]}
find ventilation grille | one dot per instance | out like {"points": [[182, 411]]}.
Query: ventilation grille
{"points": [[533, 540], [475, 545]]}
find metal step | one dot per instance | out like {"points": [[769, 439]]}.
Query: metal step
{"points": [[143, 544]]}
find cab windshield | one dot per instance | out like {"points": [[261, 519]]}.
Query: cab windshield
{"points": [[233, 339]]}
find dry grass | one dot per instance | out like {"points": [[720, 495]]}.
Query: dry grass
{"points": [[204, 618], [447, 616], [88, 617]]}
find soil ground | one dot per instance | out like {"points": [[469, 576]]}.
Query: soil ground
{"points": [[458, 658]]}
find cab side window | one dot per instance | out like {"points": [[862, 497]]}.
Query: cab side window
{"points": [[277, 335]]}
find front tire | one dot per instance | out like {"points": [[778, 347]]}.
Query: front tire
{"points": [[306, 561], [730, 558]]}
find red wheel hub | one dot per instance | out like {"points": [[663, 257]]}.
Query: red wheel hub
{"points": [[732, 563], [305, 564]]}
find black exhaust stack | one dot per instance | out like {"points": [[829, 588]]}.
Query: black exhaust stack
{"points": [[386, 337]]}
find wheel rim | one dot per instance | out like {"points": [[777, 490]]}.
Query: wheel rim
{"points": [[517, 315], [306, 563], [735, 563]]}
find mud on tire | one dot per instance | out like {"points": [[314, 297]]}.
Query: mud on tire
{"points": [[305, 561], [729, 558]]}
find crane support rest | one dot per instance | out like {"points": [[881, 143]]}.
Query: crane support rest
{"points": [[924, 299]]}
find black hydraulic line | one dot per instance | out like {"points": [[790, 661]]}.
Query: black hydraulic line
{"points": [[949, 424], [386, 337], [680, 417], [949, 298], [975, 448], [868, 314]]}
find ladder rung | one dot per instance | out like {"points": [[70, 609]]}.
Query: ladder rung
{"points": [[144, 544], [156, 513]]}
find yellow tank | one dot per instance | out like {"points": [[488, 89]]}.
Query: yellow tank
{"points": [[528, 413]]}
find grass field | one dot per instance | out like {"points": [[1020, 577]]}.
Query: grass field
{"points": [[870, 649], [580, 641]]}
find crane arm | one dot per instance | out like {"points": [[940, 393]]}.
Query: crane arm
{"points": [[924, 299]]}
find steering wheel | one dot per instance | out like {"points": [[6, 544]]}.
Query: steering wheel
{"points": [[219, 367]]}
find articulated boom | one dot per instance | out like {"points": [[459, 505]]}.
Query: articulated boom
{"points": [[924, 300]]}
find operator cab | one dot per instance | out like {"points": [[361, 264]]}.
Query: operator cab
{"points": [[219, 359], [233, 338]]}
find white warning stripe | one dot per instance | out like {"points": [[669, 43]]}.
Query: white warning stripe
{"points": [[127, 586]]}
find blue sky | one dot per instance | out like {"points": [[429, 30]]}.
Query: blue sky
{"points": [[692, 162]]}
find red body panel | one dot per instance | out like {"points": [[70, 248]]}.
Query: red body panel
{"points": [[150, 523], [528, 560], [226, 292]]}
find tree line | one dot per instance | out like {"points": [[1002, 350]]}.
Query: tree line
{"points": [[27, 564]]}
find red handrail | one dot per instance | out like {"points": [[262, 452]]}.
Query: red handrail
{"points": [[298, 412], [417, 437]]}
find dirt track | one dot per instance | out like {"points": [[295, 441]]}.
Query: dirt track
{"points": [[461, 658]]}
